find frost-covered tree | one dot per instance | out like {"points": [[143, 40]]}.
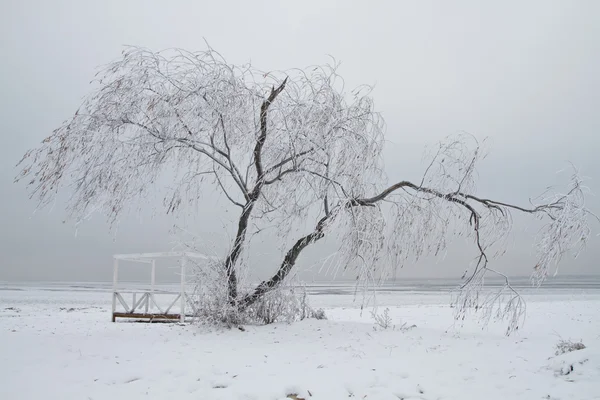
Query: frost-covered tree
{"points": [[283, 147]]}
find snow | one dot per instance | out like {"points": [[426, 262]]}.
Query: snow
{"points": [[60, 344]]}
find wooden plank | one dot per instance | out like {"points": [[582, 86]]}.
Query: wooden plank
{"points": [[146, 316]]}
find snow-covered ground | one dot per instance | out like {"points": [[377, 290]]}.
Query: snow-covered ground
{"points": [[59, 344]]}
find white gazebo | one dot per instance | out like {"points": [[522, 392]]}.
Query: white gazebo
{"points": [[146, 306]]}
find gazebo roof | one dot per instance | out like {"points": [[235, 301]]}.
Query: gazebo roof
{"points": [[145, 257]]}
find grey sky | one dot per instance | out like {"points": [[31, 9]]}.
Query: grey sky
{"points": [[524, 74]]}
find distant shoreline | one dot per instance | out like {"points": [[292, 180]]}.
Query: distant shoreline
{"points": [[328, 287]]}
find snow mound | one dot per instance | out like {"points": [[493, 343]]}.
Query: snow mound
{"points": [[580, 365]]}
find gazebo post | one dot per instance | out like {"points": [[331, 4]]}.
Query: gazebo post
{"points": [[152, 279], [115, 278], [182, 293]]}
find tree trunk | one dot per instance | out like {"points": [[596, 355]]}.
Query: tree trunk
{"points": [[252, 197], [286, 266], [235, 252]]}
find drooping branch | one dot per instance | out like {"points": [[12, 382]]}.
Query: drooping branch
{"points": [[562, 208], [455, 197], [318, 233], [211, 151]]}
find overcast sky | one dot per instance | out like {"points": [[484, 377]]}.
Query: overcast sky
{"points": [[524, 74]]}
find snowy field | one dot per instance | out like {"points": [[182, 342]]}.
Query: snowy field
{"points": [[59, 343]]}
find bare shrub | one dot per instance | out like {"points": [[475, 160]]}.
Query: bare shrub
{"points": [[382, 320], [210, 300], [405, 327], [287, 303], [212, 305], [567, 346], [319, 314]]}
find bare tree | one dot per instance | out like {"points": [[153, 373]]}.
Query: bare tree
{"points": [[284, 147]]}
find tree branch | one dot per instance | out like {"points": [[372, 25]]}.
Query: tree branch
{"points": [[286, 266], [452, 197], [263, 129], [225, 191], [242, 181], [281, 175], [288, 159]]}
